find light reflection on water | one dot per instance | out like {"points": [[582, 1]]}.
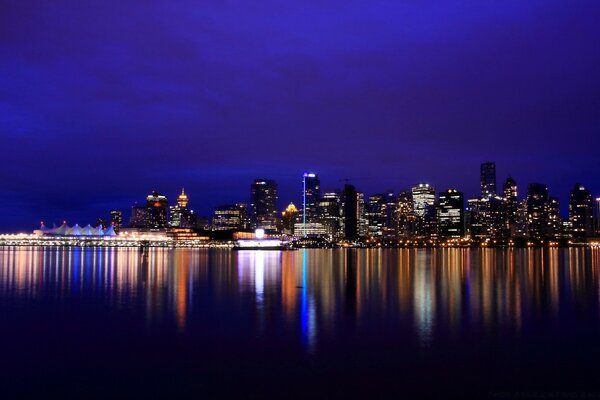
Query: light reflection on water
{"points": [[316, 293]]}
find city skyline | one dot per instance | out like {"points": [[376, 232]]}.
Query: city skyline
{"points": [[298, 198]]}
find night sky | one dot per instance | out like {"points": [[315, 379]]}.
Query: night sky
{"points": [[102, 102]]}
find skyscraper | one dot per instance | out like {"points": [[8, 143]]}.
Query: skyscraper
{"points": [[230, 217], [264, 204], [451, 214], [511, 204], [537, 204], [181, 215], [423, 196], [311, 192], [406, 219], [288, 219], [488, 179], [330, 213], [581, 212], [158, 210]]}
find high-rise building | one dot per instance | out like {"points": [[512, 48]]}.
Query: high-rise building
{"points": [[511, 205], [182, 216], [537, 206], [406, 219], [230, 217], [598, 216], [423, 196], [264, 204], [288, 219], [330, 213], [375, 215], [158, 210], [351, 212], [116, 219], [581, 212], [140, 217], [311, 193], [451, 214], [424, 206], [488, 179]]}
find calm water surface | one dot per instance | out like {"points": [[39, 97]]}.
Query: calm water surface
{"points": [[321, 323]]}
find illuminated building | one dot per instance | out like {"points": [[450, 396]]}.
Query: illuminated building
{"points": [[288, 219], [406, 219], [264, 204], [488, 179], [424, 206], [581, 212], [230, 217], [451, 214], [140, 217], [487, 218], [311, 193], [116, 219], [380, 215], [537, 205], [182, 216], [511, 205], [329, 210], [158, 210], [423, 195]]}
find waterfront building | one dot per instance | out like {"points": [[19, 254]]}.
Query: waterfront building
{"points": [[451, 214], [182, 216], [423, 195], [330, 213], [264, 204], [581, 212], [311, 193], [116, 219], [158, 210], [598, 216], [511, 205], [288, 219], [375, 215], [424, 206], [406, 219], [140, 217], [230, 217], [488, 179], [537, 206]]}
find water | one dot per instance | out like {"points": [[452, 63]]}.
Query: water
{"points": [[321, 323]]}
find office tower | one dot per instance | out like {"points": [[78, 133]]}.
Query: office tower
{"points": [[116, 219], [288, 219], [330, 213], [264, 204], [424, 205], [406, 219], [451, 214], [487, 218], [554, 225], [230, 217], [390, 223], [423, 196], [537, 204], [102, 222], [362, 219], [488, 179], [158, 210], [351, 212], [375, 215], [511, 205], [581, 212], [140, 217], [311, 193]]}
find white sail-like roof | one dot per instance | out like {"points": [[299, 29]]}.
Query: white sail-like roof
{"points": [[110, 231]]}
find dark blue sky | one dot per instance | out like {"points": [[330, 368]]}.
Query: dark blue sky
{"points": [[103, 101]]}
